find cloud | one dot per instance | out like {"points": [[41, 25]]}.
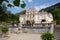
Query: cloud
{"points": [[41, 7], [21, 2], [29, 0], [16, 7]]}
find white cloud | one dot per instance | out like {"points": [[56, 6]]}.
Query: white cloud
{"points": [[29, 0], [41, 7], [21, 1], [15, 7]]}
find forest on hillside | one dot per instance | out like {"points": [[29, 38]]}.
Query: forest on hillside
{"points": [[7, 16], [55, 10]]}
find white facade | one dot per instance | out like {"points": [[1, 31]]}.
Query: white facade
{"points": [[33, 15]]}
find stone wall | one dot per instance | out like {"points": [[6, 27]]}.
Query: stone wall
{"points": [[57, 32], [37, 28]]}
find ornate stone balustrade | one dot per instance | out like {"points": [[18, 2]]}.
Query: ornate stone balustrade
{"points": [[37, 25], [37, 28]]}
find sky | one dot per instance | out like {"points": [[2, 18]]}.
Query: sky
{"points": [[37, 4]]}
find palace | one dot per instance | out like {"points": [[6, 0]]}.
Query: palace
{"points": [[37, 17], [34, 21]]}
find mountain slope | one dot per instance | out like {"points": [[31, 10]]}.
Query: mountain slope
{"points": [[21, 13], [51, 8], [55, 10]]}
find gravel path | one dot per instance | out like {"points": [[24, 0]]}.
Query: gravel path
{"points": [[24, 36]]}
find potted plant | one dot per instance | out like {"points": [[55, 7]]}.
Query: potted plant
{"points": [[47, 36], [4, 30]]}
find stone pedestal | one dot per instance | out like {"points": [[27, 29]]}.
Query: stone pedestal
{"points": [[20, 29], [52, 28]]}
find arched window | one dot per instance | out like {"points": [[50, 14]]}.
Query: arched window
{"points": [[43, 20]]}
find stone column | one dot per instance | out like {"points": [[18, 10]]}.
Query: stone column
{"points": [[52, 28], [20, 28]]}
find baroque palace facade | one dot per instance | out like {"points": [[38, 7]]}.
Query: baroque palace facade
{"points": [[34, 16]]}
